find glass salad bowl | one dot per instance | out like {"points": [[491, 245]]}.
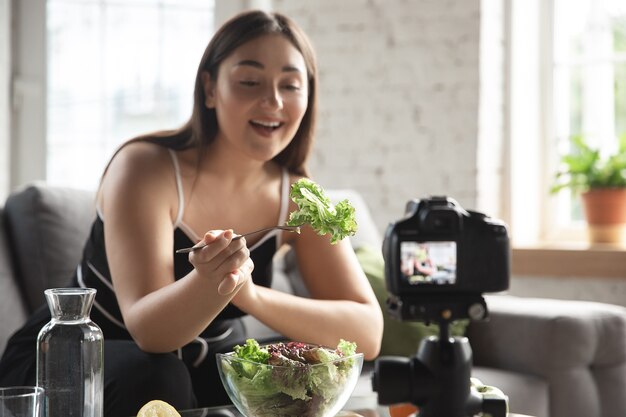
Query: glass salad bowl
{"points": [[296, 379]]}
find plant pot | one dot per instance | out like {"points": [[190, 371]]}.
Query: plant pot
{"points": [[605, 212]]}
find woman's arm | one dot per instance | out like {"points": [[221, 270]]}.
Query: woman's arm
{"points": [[342, 303], [139, 201]]}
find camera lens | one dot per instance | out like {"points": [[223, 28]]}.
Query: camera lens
{"points": [[398, 380], [391, 379]]}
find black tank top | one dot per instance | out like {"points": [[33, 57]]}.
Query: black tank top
{"points": [[93, 271]]}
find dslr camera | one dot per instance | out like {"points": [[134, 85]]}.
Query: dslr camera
{"points": [[439, 260]]}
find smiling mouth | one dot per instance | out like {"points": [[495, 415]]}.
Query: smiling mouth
{"points": [[265, 126]]}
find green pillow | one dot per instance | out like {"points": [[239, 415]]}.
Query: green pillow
{"points": [[400, 338]]}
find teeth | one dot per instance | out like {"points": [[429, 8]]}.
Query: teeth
{"points": [[266, 124]]}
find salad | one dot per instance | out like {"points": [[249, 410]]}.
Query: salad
{"points": [[316, 209], [290, 379]]}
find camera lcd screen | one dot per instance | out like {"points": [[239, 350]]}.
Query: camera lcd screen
{"points": [[428, 262]]}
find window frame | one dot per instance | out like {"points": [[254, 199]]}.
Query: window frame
{"points": [[552, 231], [538, 251], [5, 102], [28, 93]]}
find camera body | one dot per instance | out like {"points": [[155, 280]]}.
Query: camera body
{"points": [[443, 254]]}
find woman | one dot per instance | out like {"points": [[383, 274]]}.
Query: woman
{"points": [[164, 315]]}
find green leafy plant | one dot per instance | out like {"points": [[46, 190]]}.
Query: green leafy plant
{"points": [[584, 168]]}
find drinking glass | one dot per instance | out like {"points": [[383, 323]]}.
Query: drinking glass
{"points": [[21, 401]]}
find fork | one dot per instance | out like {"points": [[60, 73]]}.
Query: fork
{"points": [[287, 228]]}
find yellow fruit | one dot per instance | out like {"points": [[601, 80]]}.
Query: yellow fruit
{"points": [[157, 408]]}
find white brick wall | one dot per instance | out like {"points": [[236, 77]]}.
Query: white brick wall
{"points": [[412, 102], [399, 98]]}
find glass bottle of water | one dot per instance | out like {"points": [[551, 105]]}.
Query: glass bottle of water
{"points": [[70, 356]]}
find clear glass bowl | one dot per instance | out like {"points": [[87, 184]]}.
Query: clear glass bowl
{"points": [[259, 390]]}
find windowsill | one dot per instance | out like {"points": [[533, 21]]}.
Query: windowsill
{"points": [[572, 260]]}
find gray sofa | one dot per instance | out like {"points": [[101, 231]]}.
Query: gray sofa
{"points": [[552, 358]]}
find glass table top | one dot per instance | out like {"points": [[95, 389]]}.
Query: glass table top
{"points": [[356, 407], [365, 406]]}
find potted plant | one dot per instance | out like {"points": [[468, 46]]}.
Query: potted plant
{"points": [[601, 181]]}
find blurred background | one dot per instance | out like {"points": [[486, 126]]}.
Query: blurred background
{"points": [[475, 99]]}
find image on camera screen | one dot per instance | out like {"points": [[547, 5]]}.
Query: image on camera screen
{"points": [[428, 262]]}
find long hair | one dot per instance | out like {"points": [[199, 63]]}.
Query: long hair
{"points": [[201, 129]]}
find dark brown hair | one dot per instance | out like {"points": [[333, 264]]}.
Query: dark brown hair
{"points": [[201, 128]]}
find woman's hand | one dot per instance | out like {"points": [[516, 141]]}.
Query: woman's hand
{"points": [[246, 292], [225, 262], [241, 278]]}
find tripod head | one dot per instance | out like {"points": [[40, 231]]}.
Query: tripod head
{"points": [[437, 379]]}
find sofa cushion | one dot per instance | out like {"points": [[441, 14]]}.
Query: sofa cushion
{"points": [[12, 308], [367, 233], [578, 347], [400, 338], [47, 227], [528, 394]]}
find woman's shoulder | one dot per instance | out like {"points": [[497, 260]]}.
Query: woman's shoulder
{"points": [[138, 163], [142, 170], [140, 152], [141, 159]]}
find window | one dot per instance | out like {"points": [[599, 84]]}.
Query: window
{"points": [[117, 69], [587, 87], [567, 76]]}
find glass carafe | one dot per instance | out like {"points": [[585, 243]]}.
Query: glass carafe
{"points": [[70, 356]]}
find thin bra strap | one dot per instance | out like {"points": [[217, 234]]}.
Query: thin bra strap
{"points": [[179, 187]]}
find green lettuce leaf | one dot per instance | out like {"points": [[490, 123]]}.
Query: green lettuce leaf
{"points": [[346, 348], [316, 209], [252, 351], [254, 355]]}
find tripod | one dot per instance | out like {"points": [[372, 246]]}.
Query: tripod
{"points": [[437, 378]]}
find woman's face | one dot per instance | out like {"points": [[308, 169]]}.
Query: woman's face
{"points": [[260, 96]]}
